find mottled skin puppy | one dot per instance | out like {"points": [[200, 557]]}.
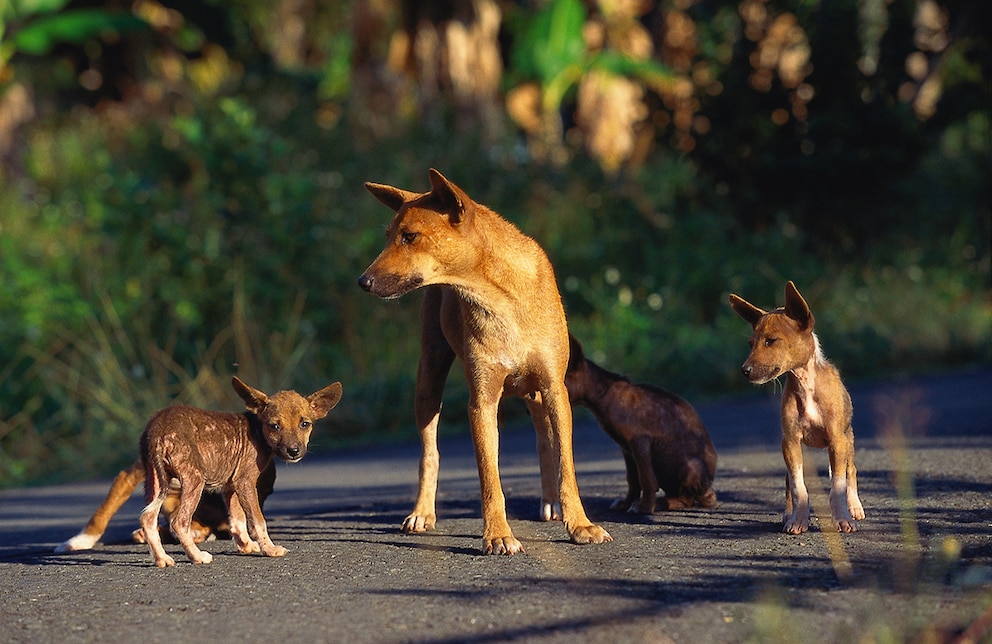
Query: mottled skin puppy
{"points": [[816, 407], [665, 444], [227, 452]]}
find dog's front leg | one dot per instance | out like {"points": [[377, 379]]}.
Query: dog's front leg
{"points": [[247, 498], [647, 481], [239, 524], [633, 484], [497, 538], [559, 413], [436, 357], [840, 463], [796, 518]]}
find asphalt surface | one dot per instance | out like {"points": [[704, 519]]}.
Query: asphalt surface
{"points": [[920, 564]]}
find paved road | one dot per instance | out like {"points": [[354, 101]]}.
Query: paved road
{"points": [[921, 562]]}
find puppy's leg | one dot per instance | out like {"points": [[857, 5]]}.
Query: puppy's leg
{"points": [[633, 485], [436, 357], [853, 500], [120, 491], [247, 497], [796, 519], [641, 451], [559, 414], [155, 493], [840, 460], [239, 525], [192, 488]]}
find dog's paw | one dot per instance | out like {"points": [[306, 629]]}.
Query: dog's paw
{"points": [[274, 551], [81, 541], [622, 505], [418, 523], [550, 511], [845, 525], [165, 561], [501, 546], [795, 525], [591, 533], [201, 557], [857, 511], [249, 547]]}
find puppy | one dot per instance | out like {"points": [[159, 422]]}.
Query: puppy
{"points": [[665, 444], [816, 407], [227, 452]]}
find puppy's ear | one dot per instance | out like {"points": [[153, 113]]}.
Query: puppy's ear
{"points": [[450, 199], [796, 307], [575, 354], [325, 400], [255, 400], [391, 197], [746, 310]]}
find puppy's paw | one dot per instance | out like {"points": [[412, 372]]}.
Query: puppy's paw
{"points": [[621, 505], [138, 536], [795, 525], [165, 561], [272, 550], [81, 541], [501, 546], [550, 511], [591, 533], [249, 547], [201, 557], [418, 523], [845, 525], [857, 511]]}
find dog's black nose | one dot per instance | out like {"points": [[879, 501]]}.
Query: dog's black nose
{"points": [[293, 451], [746, 370], [365, 281]]}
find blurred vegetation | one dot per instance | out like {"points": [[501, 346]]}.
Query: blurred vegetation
{"points": [[181, 192]]}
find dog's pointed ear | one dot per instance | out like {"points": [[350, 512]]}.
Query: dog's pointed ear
{"points": [[255, 400], [746, 310], [325, 400], [796, 307], [392, 198], [450, 199], [575, 354]]}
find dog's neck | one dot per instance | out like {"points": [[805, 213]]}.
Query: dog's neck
{"points": [[598, 385], [256, 434], [803, 380]]}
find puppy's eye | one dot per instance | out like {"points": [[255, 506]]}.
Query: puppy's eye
{"points": [[770, 341], [408, 237], [305, 424], [275, 427]]}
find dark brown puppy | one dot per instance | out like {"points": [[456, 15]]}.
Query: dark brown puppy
{"points": [[224, 451], [665, 444]]}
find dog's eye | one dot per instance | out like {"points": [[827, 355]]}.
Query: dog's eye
{"points": [[770, 341], [408, 237], [305, 424], [274, 427]]}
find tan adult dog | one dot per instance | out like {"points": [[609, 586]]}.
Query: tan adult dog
{"points": [[224, 451], [816, 408], [493, 302]]}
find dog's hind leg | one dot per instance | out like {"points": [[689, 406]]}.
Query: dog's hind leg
{"points": [[155, 492], [192, 489], [853, 500], [559, 417], [120, 491], [550, 508], [436, 358]]}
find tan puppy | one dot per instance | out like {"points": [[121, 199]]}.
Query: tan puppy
{"points": [[816, 408], [224, 451], [493, 302]]}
